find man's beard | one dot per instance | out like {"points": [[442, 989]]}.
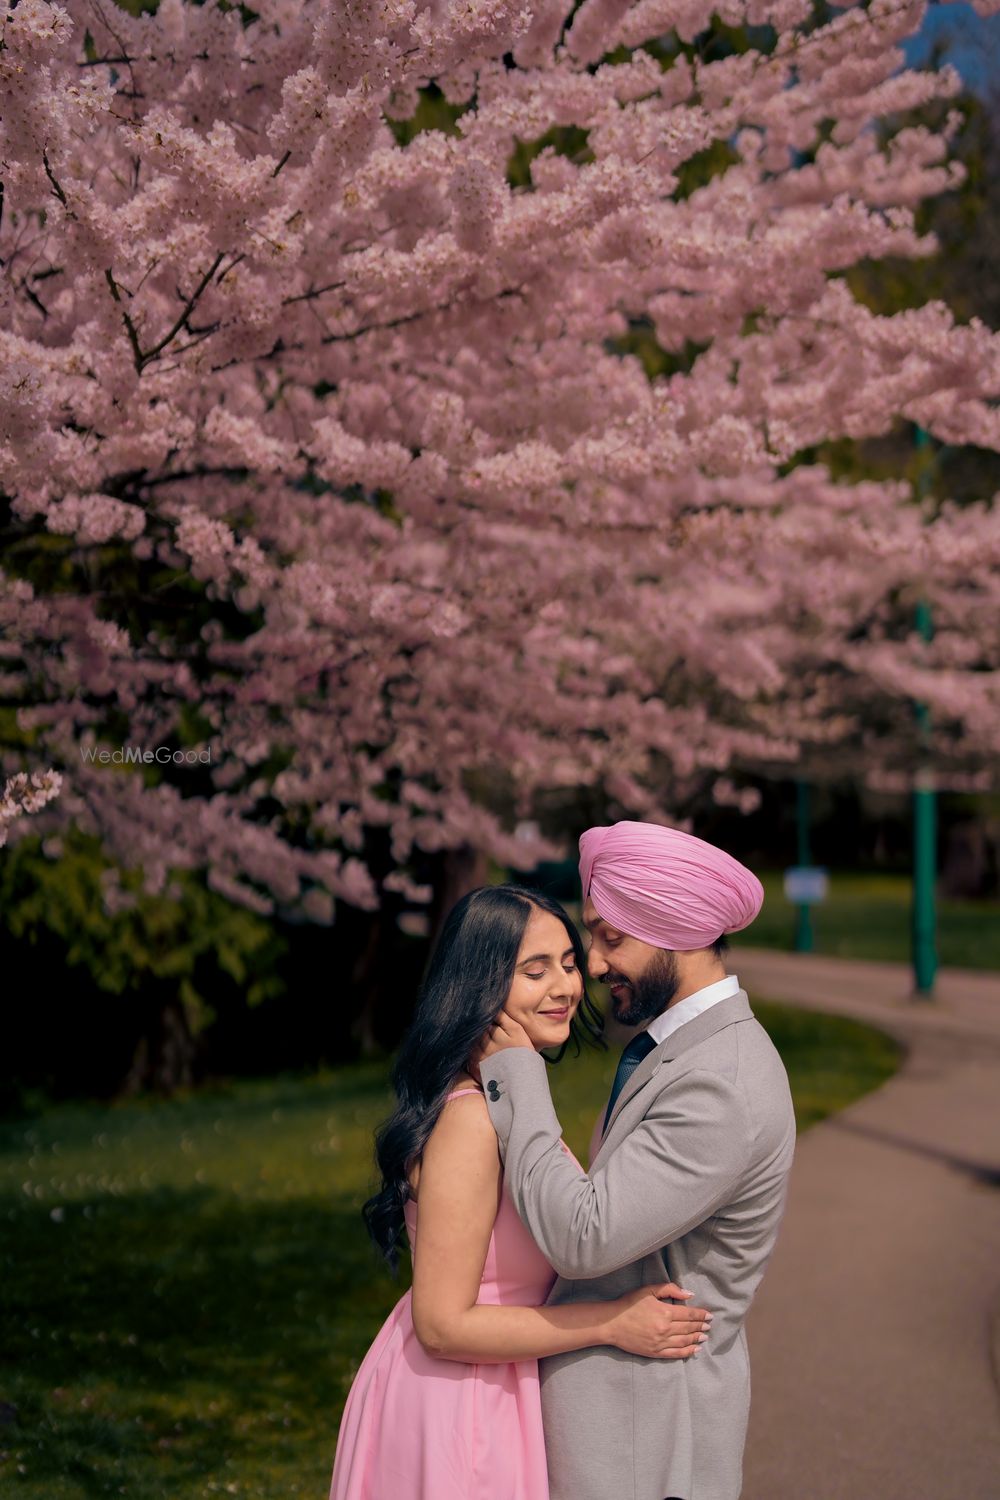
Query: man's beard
{"points": [[651, 993]]}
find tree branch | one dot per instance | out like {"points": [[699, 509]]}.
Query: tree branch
{"points": [[150, 354], [318, 291], [96, 62], [36, 301], [55, 185], [133, 337]]}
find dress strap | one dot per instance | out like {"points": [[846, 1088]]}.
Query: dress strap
{"points": [[457, 1093]]}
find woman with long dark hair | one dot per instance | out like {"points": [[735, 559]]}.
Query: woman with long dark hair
{"points": [[445, 1405]]}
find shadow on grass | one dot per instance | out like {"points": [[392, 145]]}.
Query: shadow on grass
{"points": [[241, 1099], [178, 1338]]}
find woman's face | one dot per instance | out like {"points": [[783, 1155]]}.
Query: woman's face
{"points": [[548, 986]]}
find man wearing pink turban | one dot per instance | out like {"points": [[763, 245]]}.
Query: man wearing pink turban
{"points": [[688, 1170], [666, 887]]}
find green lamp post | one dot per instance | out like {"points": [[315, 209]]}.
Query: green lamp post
{"points": [[924, 911]]}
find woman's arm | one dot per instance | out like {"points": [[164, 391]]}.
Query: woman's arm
{"points": [[460, 1187]]}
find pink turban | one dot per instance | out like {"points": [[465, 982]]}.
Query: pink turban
{"points": [[666, 887]]}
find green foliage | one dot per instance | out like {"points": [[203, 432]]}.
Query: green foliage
{"points": [[962, 273], [957, 218], [188, 1287], [159, 937], [571, 141], [641, 341], [698, 171], [433, 112]]}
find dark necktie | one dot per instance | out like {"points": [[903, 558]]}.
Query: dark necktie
{"points": [[639, 1047]]}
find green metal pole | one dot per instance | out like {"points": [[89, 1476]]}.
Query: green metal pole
{"points": [[924, 912], [803, 913]]}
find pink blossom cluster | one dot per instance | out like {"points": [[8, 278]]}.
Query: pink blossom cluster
{"points": [[23, 794], [333, 408]]}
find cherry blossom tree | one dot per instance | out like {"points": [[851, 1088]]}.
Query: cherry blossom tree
{"points": [[411, 416]]}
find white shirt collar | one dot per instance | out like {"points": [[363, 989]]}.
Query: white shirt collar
{"points": [[685, 1010]]}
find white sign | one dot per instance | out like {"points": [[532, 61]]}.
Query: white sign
{"points": [[805, 885]]}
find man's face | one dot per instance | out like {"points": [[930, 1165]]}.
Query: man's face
{"points": [[642, 979]]}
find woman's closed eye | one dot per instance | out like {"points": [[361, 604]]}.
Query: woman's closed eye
{"points": [[567, 969]]}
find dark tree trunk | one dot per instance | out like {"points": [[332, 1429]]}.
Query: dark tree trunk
{"points": [[166, 1053], [461, 871], [387, 968], [365, 984], [966, 871]]}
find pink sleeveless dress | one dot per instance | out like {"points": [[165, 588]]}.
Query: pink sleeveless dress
{"points": [[420, 1428]]}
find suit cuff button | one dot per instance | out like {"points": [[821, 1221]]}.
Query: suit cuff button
{"points": [[493, 1087]]}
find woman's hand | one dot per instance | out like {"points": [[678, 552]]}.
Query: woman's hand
{"points": [[642, 1324]]}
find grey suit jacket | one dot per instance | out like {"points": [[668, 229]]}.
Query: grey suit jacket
{"points": [[688, 1184]]}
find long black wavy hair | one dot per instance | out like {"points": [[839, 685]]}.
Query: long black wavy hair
{"points": [[467, 984]]}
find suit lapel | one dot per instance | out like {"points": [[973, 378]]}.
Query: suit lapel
{"points": [[718, 1016], [723, 1013]]}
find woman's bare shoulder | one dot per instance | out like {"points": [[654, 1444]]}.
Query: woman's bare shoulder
{"points": [[463, 1134], [464, 1123]]}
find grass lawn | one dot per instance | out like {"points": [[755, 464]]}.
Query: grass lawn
{"points": [[868, 916], [187, 1289]]}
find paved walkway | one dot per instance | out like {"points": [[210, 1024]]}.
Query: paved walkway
{"points": [[875, 1338]]}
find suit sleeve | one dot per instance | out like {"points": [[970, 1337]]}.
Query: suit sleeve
{"points": [[673, 1171]]}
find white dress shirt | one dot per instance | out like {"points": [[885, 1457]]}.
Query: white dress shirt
{"points": [[664, 1025]]}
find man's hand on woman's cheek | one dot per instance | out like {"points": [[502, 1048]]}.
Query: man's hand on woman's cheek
{"points": [[505, 1032]]}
